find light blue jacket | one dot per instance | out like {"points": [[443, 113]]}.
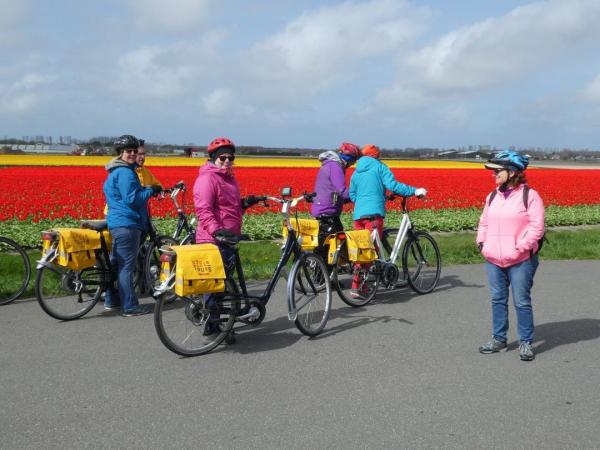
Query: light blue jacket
{"points": [[127, 200], [368, 184]]}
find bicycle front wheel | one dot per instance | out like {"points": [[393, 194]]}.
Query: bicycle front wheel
{"points": [[309, 294], [15, 270], [422, 262], [152, 262], [189, 327], [67, 294], [345, 274]]}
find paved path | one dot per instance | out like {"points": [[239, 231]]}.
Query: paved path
{"points": [[403, 372]]}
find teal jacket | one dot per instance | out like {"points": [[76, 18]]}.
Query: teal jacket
{"points": [[127, 200], [368, 184]]}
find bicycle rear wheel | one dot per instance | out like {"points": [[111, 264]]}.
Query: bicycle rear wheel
{"points": [[309, 292], [67, 294], [182, 324], [152, 262], [345, 271], [15, 270], [422, 262]]}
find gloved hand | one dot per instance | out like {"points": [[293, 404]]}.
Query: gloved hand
{"points": [[156, 189], [249, 201], [420, 192], [224, 233]]}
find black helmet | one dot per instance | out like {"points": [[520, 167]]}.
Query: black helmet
{"points": [[126, 141], [142, 142]]}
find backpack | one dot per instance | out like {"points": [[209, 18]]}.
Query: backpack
{"points": [[526, 204]]}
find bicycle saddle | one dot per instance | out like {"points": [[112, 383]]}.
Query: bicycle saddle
{"points": [[97, 225]]}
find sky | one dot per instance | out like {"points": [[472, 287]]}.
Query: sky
{"points": [[293, 73]]}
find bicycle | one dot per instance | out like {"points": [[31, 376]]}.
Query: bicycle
{"points": [[419, 266], [182, 324], [68, 292], [185, 233], [15, 270]]}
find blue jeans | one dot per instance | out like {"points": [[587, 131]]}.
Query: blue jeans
{"points": [[520, 278], [123, 258]]}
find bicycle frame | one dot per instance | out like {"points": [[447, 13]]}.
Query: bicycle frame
{"points": [[183, 224], [292, 246], [403, 230]]}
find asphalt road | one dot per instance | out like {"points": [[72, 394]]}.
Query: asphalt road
{"points": [[403, 372]]}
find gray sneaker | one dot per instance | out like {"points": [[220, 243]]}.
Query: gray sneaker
{"points": [[494, 346], [526, 352]]}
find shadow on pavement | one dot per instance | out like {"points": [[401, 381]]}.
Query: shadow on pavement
{"points": [[554, 334]]}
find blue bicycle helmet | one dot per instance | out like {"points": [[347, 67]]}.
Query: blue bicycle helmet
{"points": [[508, 159]]}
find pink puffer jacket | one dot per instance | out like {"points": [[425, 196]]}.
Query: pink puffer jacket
{"points": [[217, 202], [508, 231]]}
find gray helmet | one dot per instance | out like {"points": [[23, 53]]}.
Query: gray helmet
{"points": [[126, 141]]}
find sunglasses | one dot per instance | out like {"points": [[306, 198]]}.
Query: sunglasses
{"points": [[224, 158], [130, 150]]}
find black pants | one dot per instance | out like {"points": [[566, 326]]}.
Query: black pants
{"points": [[327, 225]]}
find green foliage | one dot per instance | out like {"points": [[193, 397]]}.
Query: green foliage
{"points": [[268, 226]]}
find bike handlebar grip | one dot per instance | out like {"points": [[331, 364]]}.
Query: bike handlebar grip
{"points": [[180, 184]]}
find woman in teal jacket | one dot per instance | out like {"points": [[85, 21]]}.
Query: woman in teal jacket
{"points": [[368, 185]]}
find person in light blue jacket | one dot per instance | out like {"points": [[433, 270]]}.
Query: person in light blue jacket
{"points": [[127, 219], [368, 185]]}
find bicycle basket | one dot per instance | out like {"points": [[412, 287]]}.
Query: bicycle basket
{"points": [[361, 248], [199, 269], [77, 247], [307, 229]]}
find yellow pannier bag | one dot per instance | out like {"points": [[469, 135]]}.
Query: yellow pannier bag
{"points": [[332, 243], [199, 269], [77, 247], [308, 229], [361, 248]]}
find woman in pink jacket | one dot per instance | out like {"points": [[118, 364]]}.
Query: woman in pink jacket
{"points": [[510, 229], [218, 206]]}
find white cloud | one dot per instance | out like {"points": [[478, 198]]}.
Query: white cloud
{"points": [[591, 92], [493, 52], [327, 46], [23, 94], [224, 102], [159, 72], [165, 15]]}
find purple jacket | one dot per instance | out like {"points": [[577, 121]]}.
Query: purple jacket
{"points": [[217, 202], [331, 178]]}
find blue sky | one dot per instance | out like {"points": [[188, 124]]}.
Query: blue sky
{"points": [[304, 73]]}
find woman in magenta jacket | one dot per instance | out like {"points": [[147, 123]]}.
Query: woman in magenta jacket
{"points": [[510, 227]]}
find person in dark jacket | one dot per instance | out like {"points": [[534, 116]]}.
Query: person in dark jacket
{"points": [[331, 190], [127, 219]]}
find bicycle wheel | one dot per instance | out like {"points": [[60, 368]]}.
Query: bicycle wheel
{"points": [[68, 294], [152, 262], [181, 324], [422, 262], [310, 296], [345, 271], [15, 270]]}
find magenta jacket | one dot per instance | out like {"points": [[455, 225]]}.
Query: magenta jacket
{"points": [[508, 231], [217, 202]]}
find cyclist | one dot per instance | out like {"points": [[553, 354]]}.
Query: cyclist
{"points": [[331, 189], [509, 233], [218, 204], [146, 177], [367, 190], [127, 219]]}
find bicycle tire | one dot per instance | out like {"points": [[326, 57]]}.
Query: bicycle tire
{"points": [[422, 262], [14, 261], [311, 300], [68, 294], [342, 275], [180, 323], [152, 262]]}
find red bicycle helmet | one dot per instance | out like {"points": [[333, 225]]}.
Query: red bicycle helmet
{"points": [[349, 149], [219, 142]]}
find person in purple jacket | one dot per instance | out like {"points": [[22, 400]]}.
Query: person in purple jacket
{"points": [[331, 190]]}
